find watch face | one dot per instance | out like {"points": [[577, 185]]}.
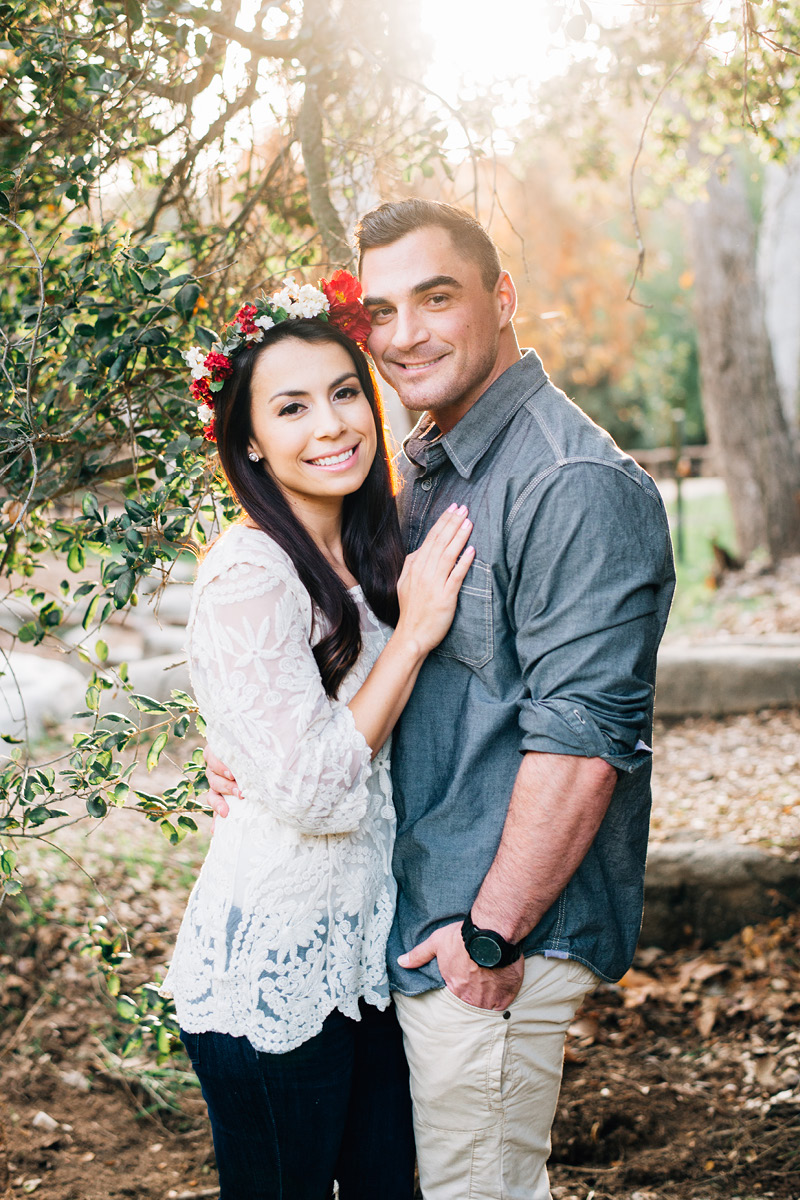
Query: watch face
{"points": [[485, 951]]}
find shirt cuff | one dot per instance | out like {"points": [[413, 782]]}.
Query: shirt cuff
{"points": [[567, 727]]}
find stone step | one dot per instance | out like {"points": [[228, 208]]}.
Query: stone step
{"points": [[36, 694], [707, 890], [716, 679]]}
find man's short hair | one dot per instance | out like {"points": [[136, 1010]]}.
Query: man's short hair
{"points": [[389, 222]]}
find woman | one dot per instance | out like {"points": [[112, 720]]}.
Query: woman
{"points": [[279, 971]]}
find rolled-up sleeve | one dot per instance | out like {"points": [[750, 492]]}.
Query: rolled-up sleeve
{"points": [[589, 551], [290, 747]]}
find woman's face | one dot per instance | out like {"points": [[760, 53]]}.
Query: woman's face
{"points": [[312, 423]]}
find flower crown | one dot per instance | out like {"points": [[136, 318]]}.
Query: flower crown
{"points": [[336, 300]]}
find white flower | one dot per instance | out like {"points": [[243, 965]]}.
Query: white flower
{"points": [[299, 300], [286, 297], [205, 414], [309, 292], [310, 301], [195, 358], [258, 336], [265, 322]]}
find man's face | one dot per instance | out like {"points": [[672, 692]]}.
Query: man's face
{"points": [[435, 327]]}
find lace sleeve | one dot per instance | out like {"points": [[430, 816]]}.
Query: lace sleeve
{"points": [[258, 685]]}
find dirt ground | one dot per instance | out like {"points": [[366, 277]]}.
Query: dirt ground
{"points": [[680, 1084]]}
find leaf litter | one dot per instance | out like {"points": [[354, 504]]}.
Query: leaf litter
{"points": [[682, 1082]]}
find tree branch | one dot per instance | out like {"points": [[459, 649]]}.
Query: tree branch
{"points": [[284, 48], [256, 194], [117, 470], [176, 93], [631, 176], [39, 314], [180, 169]]}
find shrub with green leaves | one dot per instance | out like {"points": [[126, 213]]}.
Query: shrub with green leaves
{"points": [[95, 396]]}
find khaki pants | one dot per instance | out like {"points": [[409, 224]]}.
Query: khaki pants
{"points": [[485, 1084]]}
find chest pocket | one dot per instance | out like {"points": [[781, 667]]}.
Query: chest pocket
{"points": [[470, 638]]}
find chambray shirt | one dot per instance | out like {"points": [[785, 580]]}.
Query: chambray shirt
{"points": [[552, 650]]}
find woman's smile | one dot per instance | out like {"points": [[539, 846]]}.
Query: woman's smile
{"points": [[337, 461]]}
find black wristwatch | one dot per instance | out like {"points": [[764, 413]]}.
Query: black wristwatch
{"points": [[487, 948]]}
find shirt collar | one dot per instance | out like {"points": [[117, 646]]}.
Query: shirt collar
{"points": [[469, 440]]}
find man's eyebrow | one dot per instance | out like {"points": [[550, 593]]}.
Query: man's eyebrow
{"points": [[301, 392], [417, 290], [434, 282]]}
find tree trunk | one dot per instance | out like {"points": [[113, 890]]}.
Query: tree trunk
{"points": [[779, 273], [744, 417], [310, 130], [326, 218]]}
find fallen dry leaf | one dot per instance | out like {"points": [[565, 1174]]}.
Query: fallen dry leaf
{"points": [[638, 987], [707, 1016], [584, 1027]]}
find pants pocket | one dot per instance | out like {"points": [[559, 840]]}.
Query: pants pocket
{"points": [[582, 975], [455, 1055]]}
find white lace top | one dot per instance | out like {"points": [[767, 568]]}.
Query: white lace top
{"points": [[290, 915]]}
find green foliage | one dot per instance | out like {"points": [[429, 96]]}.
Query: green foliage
{"points": [[663, 372], [701, 77], [98, 773], [706, 519], [148, 1019]]}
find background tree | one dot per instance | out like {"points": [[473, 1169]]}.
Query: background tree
{"points": [[744, 415], [779, 277], [711, 84]]}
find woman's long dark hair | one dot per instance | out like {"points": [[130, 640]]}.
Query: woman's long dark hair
{"points": [[373, 548]]}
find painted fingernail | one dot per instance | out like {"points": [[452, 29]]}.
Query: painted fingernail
{"points": [[465, 523], [462, 508], [452, 508]]}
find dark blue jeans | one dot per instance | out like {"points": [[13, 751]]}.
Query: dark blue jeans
{"points": [[338, 1107]]}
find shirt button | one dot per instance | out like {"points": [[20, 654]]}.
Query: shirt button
{"points": [[426, 485]]}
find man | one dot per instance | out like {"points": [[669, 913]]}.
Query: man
{"points": [[521, 764]]}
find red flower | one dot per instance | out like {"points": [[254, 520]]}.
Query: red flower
{"points": [[353, 320], [244, 319], [208, 431], [341, 288], [200, 390], [219, 365], [346, 311]]}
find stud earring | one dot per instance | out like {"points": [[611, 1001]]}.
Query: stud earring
{"points": [[253, 456]]}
